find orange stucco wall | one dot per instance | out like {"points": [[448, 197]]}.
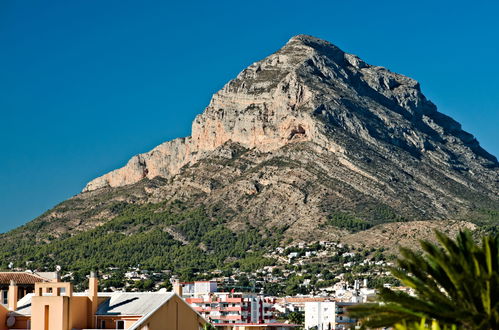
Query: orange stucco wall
{"points": [[78, 307], [57, 309], [68, 312], [174, 315], [3, 317], [111, 321], [21, 323]]}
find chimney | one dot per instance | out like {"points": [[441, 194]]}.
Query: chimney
{"points": [[177, 287], [93, 289], [93, 283], [13, 296], [57, 277]]}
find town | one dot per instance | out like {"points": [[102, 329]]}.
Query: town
{"points": [[39, 300], [297, 291], [249, 165]]}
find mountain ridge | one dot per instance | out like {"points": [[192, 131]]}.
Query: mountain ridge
{"points": [[263, 79], [310, 143]]}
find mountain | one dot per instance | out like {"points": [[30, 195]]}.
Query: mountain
{"points": [[309, 143]]}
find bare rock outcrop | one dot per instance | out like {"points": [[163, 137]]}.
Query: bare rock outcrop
{"points": [[321, 130], [301, 93]]}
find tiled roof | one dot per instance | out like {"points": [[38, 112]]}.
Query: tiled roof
{"points": [[20, 278]]}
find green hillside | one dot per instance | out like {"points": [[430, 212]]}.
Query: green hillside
{"points": [[139, 236]]}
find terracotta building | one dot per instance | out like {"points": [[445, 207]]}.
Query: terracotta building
{"points": [[25, 282], [54, 306]]}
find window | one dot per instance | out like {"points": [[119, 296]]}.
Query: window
{"points": [[120, 324], [102, 324], [5, 297]]}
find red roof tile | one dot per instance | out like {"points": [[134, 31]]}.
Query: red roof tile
{"points": [[20, 278]]}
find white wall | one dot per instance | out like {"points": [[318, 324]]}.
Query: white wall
{"points": [[320, 315]]}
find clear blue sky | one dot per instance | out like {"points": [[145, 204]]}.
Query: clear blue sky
{"points": [[84, 85]]}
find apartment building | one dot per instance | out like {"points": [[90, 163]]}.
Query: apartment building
{"points": [[256, 326], [327, 315], [226, 307], [54, 306]]}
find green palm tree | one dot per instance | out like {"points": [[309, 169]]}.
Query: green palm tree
{"points": [[456, 283], [423, 325]]}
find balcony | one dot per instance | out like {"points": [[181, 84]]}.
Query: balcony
{"points": [[218, 309], [202, 300], [227, 317]]}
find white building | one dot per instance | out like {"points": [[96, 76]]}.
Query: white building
{"points": [[327, 315], [320, 315]]}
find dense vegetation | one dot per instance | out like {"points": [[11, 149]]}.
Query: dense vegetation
{"points": [[140, 235], [347, 221], [167, 239]]}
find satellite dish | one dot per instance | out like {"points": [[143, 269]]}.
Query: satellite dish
{"points": [[58, 268], [11, 321], [11, 264]]}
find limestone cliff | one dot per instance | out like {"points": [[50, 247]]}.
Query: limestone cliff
{"points": [[310, 143], [310, 90], [305, 136]]}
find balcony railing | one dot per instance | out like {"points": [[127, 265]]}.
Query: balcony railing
{"points": [[218, 309]]}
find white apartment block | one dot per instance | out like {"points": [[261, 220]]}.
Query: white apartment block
{"points": [[327, 315]]}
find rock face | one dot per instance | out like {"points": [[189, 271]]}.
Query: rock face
{"points": [[310, 132], [309, 144], [310, 90]]}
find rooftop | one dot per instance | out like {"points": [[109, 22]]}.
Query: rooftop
{"points": [[133, 303], [21, 278], [119, 303]]}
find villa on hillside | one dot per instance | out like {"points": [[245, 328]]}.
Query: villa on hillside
{"points": [[54, 306]]}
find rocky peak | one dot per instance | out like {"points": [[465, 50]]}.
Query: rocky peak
{"points": [[310, 90]]}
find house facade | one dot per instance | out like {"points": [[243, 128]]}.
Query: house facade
{"points": [[25, 283], [327, 315], [226, 307], [54, 306]]}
